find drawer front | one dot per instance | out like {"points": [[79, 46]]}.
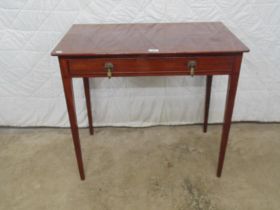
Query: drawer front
{"points": [[151, 66]]}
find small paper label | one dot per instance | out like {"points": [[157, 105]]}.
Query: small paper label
{"points": [[58, 51], [153, 50]]}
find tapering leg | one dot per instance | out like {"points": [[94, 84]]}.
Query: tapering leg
{"points": [[87, 95], [231, 92], [69, 96], [207, 101]]}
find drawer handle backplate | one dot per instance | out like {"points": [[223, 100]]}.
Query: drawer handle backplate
{"points": [[109, 68], [192, 67]]}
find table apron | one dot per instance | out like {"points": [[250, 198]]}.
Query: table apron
{"points": [[159, 66]]}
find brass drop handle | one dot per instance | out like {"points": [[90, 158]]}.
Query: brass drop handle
{"points": [[192, 67], [109, 68]]}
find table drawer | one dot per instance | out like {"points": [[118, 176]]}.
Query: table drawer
{"points": [[150, 66]]}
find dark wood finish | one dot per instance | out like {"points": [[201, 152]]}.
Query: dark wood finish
{"points": [[137, 39], [69, 96], [231, 92], [207, 101], [88, 103], [150, 50]]}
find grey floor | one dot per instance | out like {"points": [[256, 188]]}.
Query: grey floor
{"points": [[164, 167]]}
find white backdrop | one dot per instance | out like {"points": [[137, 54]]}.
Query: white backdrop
{"points": [[31, 92]]}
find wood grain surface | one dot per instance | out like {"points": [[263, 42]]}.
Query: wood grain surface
{"points": [[141, 39]]}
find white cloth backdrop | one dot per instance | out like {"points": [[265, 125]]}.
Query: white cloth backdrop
{"points": [[31, 92]]}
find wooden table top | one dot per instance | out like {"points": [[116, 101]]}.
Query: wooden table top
{"points": [[148, 38]]}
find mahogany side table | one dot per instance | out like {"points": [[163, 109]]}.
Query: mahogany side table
{"points": [[159, 49]]}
